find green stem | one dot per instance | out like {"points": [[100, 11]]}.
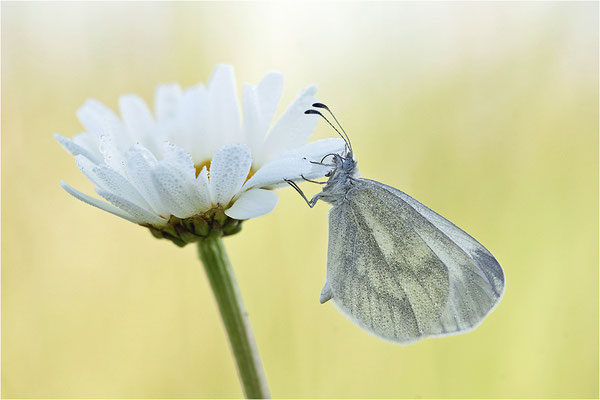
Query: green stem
{"points": [[235, 318]]}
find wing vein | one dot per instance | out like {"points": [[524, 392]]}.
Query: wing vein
{"points": [[390, 267]]}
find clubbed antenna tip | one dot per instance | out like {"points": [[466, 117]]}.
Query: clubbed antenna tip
{"points": [[312, 112], [321, 105]]}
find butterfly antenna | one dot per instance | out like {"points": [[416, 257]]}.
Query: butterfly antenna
{"points": [[321, 105], [330, 124]]}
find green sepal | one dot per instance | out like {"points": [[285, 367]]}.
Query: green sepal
{"points": [[212, 223]]}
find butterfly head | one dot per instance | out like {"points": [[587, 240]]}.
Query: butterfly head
{"points": [[343, 164]]}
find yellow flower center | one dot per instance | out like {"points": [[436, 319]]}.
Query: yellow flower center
{"points": [[200, 166]]}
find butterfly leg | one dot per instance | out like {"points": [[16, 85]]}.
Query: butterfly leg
{"points": [[311, 181], [322, 164], [311, 203]]}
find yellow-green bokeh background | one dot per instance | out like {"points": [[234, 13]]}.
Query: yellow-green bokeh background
{"points": [[486, 112]]}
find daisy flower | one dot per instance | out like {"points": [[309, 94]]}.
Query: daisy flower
{"points": [[193, 168]]}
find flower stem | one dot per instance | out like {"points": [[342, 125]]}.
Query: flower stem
{"points": [[235, 318]]}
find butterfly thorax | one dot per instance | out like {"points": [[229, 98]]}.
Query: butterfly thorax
{"points": [[341, 178]]}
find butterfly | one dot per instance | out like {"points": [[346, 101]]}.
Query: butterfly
{"points": [[394, 267]]}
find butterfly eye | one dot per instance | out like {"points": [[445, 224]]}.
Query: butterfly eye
{"points": [[329, 174]]}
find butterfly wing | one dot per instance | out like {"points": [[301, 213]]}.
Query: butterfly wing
{"points": [[403, 272]]}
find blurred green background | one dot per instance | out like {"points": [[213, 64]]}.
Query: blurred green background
{"points": [[485, 112]]}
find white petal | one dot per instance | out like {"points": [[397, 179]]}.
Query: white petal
{"points": [[198, 132], [253, 203], [166, 100], [203, 191], [178, 156], [136, 116], [269, 93], [275, 172], [139, 163], [137, 212], [296, 163], [174, 190], [76, 149], [254, 125], [228, 170], [101, 121], [197, 188], [226, 112], [293, 128], [94, 116], [98, 203], [111, 150], [90, 143], [87, 168], [116, 183], [260, 104], [314, 151]]}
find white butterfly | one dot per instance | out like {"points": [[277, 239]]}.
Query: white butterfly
{"points": [[396, 268]]}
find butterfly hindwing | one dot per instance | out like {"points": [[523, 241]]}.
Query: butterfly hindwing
{"points": [[380, 272], [403, 272]]}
